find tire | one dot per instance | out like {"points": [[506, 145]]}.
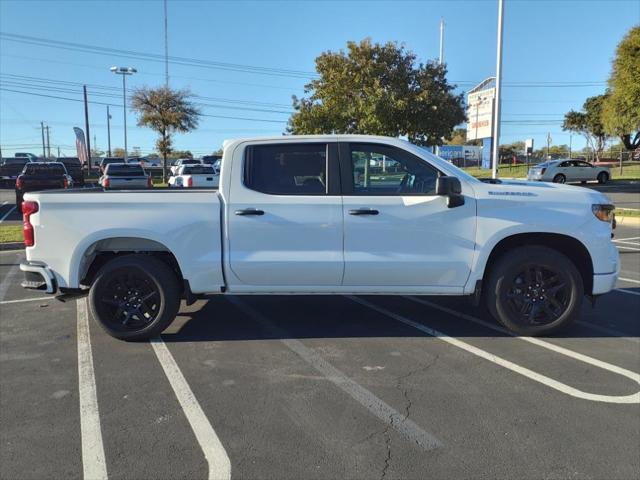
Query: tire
{"points": [[603, 177], [522, 303], [129, 281], [560, 178]]}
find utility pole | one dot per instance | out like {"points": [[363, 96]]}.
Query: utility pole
{"points": [[548, 143], [166, 47], [570, 138], [44, 152], [86, 127], [48, 144], [495, 146], [108, 132], [441, 40], [58, 151]]}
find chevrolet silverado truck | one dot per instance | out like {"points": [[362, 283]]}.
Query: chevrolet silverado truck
{"points": [[326, 215]]}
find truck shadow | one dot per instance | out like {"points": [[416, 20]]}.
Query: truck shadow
{"points": [[244, 318]]}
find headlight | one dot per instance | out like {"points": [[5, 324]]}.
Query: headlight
{"points": [[603, 211]]}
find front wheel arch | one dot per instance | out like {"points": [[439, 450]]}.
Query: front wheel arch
{"points": [[571, 247]]}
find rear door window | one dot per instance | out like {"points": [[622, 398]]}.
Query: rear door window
{"points": [[287, 169], [114, 170]]}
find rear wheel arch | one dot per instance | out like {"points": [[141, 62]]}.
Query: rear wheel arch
{"points": [[102, 251], [571, 247]]}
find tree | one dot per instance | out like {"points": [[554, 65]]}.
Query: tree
{"points": [[621, 113], [175, 154], [165, 111], [118, 152], [459, 137], [379, 90], [588, 123]]}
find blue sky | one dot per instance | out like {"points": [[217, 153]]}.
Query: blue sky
{"points": [[549, 42]]}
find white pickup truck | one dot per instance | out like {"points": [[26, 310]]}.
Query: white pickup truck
{"points": [[324, 215]]}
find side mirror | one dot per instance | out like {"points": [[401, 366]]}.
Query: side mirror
{"points": [[451, 188]]}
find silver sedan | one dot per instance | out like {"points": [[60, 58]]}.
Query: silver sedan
{"points": [[563, 171]]}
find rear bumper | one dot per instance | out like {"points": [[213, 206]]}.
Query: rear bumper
{"points": [[38, 277]]}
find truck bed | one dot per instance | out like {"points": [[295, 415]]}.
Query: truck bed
{"points": [[76, 224]]}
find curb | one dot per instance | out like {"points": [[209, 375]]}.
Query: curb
{"points": [[12, 246]]}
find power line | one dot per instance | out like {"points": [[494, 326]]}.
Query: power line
{"points": [[95, 49]]}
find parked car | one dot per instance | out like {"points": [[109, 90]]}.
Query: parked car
{"points": [[124, 176], [193, 176], [37, 176], [150, 162], [106, 161], [10, 168], [183, 161], [74, 168], [564, 171], [290, 217], [210, 159], [30, 156]]}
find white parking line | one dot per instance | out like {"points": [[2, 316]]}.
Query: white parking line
{"points": [[375, 405], [624, 239], [550, 382], [631, 280], [608, 331], [635, 243], [624, 290], [214, 452], [628, 248], [7, 214], [21, 300], [94, 465]]}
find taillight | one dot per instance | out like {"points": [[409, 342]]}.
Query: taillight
{"points": [[149, 182], [65, 183], [106, 183], [542, 171], [28, 209], [19, 183], [190, 182]]}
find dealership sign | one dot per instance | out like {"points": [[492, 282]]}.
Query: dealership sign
{"points": [[480, 101]]}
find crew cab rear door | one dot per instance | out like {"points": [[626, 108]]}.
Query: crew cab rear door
{"points": [[284, 216], [397, 232]]}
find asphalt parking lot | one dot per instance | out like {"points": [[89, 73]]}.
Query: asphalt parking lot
{"points": [[320, 387]]}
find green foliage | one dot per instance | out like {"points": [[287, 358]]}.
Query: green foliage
{"points": [[588, 123], [378, 90], [165, 111], [459, 137], [117, 152], [175, 154], [621, 113]]}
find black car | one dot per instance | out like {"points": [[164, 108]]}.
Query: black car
{"points": [[10, 168], [38, 176], [74, 168]]}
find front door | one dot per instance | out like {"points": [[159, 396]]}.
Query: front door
{"points": [[397, 232], [285, 216]]}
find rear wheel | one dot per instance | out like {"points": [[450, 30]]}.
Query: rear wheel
{"points": [[534, 290], [560, 178], [135, 297], [603, 177]]}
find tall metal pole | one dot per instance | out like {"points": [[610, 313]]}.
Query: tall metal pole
{"points": [[441, 40], [108, 132], [166, 47], [495, 146], [86, 127], [124, 110], [44, 152], [570, 138], [48, 144]]}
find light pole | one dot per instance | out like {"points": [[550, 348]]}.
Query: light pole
{"points": [[495, 143], [124, 71]]}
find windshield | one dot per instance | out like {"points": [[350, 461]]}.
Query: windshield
{"points": [[196, 169], [124, 170], [44, 170]]}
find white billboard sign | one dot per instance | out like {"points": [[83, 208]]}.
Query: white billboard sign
{"points": [[480, 114]]}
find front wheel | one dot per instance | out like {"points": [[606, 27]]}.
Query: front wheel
{"points": [[135, 297], [603, 177], [534, 290]]}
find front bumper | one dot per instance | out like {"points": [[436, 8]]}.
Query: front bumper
{"points": [[38, 277]]}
